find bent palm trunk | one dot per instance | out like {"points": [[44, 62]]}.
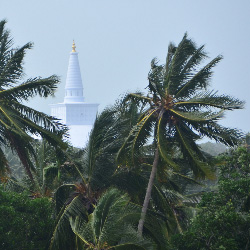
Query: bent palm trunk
{"points": [[148, 193]]}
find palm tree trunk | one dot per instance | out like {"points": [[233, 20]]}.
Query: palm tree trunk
{"points": [[148, 193]]}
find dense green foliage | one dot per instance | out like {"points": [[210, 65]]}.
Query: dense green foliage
{"points": [[223, 218], [25, 224], [98, 192], [109, 226], [19, 122]]}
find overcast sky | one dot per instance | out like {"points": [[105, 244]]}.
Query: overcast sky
{"points": [[117, 39]]}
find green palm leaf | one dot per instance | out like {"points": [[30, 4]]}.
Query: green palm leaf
{"points": [[174, 76], [200, 169], [137, 98], [214, 131], [17, 122], [11, 65], [155, 78], [211, 99], [163, 144], [62, 234], [43, 87], [110, 224], [198, 116], [199, 81], [137, 137], [38, 118], [142, 131], [62, 195]]}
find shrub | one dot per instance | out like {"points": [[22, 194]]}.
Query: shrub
{"points": [[24, 223]]}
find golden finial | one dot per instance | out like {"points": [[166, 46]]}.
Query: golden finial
{"points": [[73, 47]]}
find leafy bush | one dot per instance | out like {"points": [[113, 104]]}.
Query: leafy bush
{"points": [[223, 218], [25, 224]]}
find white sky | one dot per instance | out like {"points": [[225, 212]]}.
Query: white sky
{"points": [[116, 40]]}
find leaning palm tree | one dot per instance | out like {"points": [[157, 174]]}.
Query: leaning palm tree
{"points": [[179, 111], [98, 172], [19, 122]]}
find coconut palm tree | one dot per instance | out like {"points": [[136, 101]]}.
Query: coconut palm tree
{"points": [[80, 196], [110, 226], [19, 122], [99, 171], [179, 111]]}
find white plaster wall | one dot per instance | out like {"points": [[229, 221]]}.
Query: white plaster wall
{"points": [[79, 135]]}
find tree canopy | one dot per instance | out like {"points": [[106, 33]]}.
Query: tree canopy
{"points": [[179, 111], [18, 122]]}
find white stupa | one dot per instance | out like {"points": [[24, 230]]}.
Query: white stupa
{"points": [[78, 115]]}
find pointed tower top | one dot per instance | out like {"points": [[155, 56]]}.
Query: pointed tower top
{"points": [[73, 87], [73, 47]]}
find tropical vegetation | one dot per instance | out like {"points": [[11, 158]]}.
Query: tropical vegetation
{"points": [[25, 223], [180, 111], [19, 122], [223, 216], [54, 196]]}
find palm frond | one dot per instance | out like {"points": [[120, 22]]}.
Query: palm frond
{"points": [[142, 131], [163, 144], [18, 122], [190, 67], [43, 87], [137, 97], [171, 51], [198, 116], [24, 149], [211, 99], [5, 43], [137, 137], [131, 240], [155, 80], [40, 119], [165, 208], [132, 182], [62, 194], [193, 199], [157, 229], [50, 173], [100, 148], [52, 138], [11, 68], [108, 217], [192, 63], [200, 168], [174, 76], [9, 122], [110, 224], [62, 234], [214, 131], [199, 81], [189, 179], [83, 230]]}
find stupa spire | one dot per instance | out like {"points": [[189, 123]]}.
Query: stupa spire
{"points": [[78, 115], [73, 87], [73, 46]]}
